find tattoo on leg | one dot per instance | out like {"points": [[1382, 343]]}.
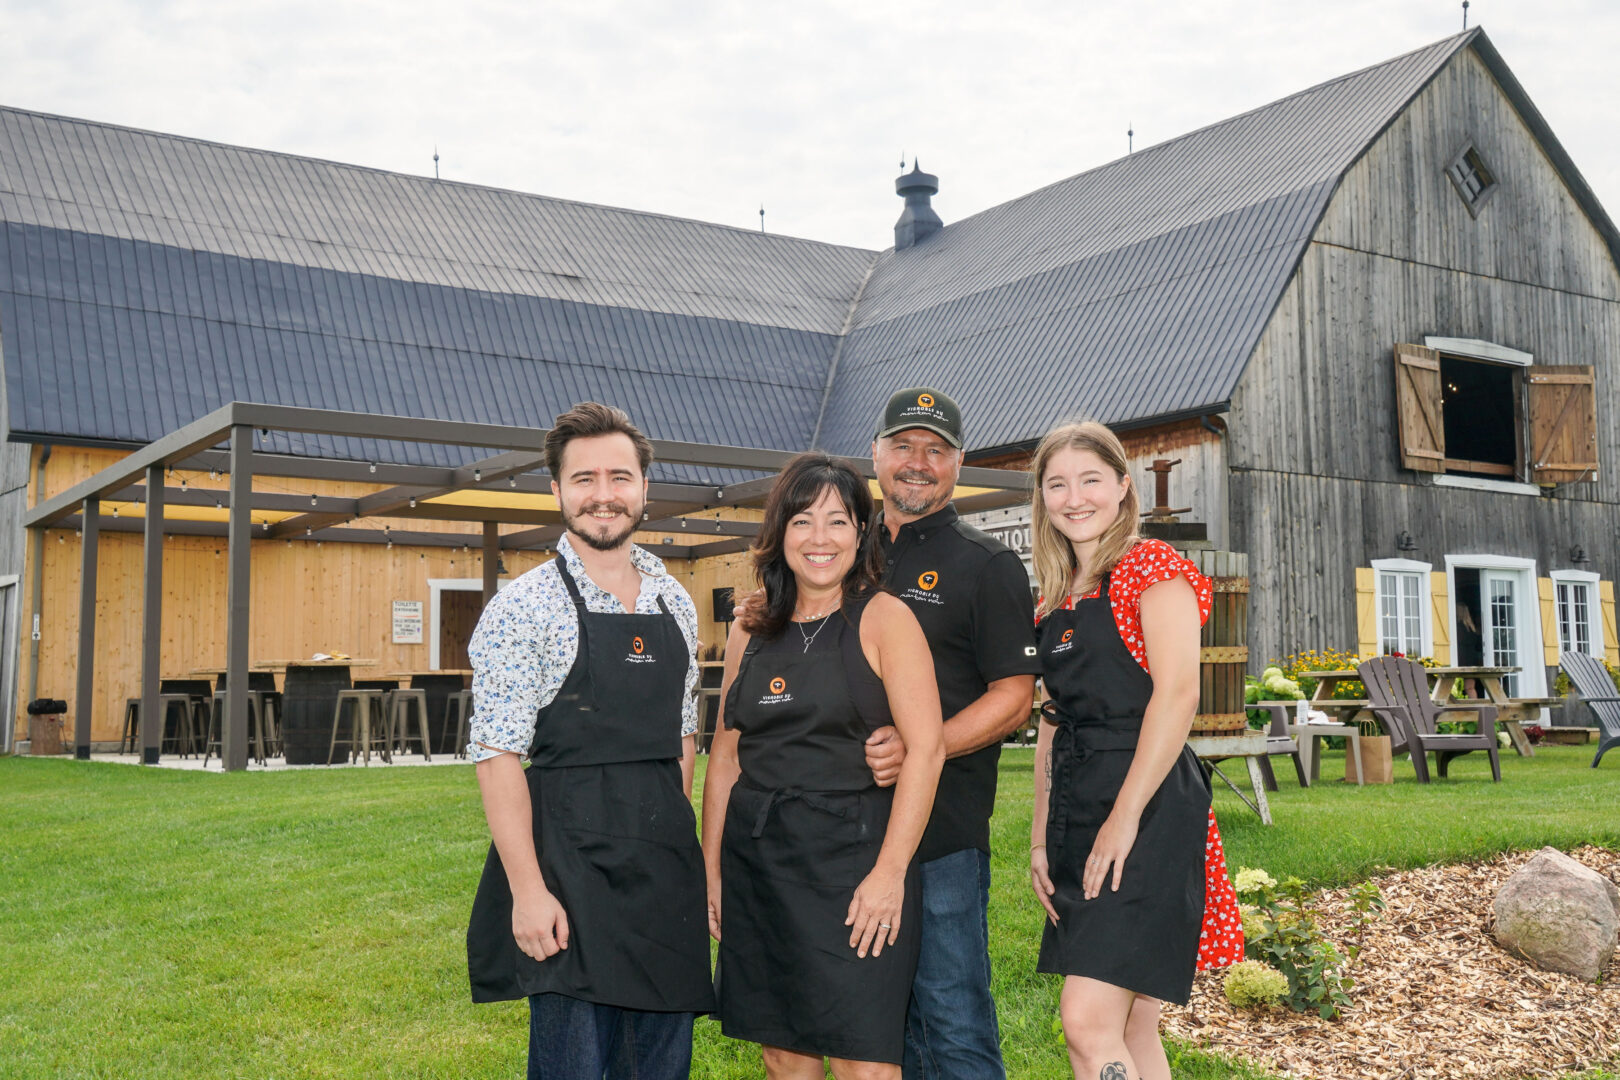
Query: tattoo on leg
{"points": [[1114, 1070]]}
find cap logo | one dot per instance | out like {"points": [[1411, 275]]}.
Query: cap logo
{"points": [[925, 400], [638, 645], [928, 580], [778, 685], [1068, 635]]}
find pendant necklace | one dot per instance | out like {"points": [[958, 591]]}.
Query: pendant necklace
{"points": [[810, 638]]}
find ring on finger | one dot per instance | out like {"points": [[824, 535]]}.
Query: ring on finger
{"points": [[884, 926]]}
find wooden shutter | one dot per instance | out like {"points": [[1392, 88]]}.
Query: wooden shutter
{"points": [[1417, 395], [1366, 613], [1611, 641], [1440, 620], [1549, 621], [1563, 424]]}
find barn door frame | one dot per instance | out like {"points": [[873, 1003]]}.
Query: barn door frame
{"points": [[1527, 612], [436, 588]]}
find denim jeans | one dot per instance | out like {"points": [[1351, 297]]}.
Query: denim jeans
{"points": [[951, 1030], [571, 1039]]}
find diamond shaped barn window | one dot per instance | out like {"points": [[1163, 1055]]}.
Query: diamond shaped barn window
{"points": [[1472, 179]]}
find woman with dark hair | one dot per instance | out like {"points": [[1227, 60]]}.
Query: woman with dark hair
{"points": [[1124, 853], [811, 884]]}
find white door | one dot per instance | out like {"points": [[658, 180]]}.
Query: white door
{"points": [[1503, 610]]}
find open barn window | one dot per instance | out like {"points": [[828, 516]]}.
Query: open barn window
{"points": [[1484, 411], [1479, 402]]}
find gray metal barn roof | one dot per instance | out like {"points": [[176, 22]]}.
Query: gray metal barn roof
{"points": [[146, 279]]}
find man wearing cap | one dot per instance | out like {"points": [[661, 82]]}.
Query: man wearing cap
{"points": [[972, 596]]}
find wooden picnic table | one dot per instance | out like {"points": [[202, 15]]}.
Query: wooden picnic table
{"points": [[1511, 713]]}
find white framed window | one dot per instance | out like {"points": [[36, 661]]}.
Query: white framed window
{"points": [[1403, 608], [1576, 612]]}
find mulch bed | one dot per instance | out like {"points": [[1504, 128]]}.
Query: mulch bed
{"points": [[1435, 996]]}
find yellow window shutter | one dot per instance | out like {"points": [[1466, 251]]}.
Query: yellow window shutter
{"points": [[1441, 620], [1549, 622], [1366, 613], [1611, 640]]}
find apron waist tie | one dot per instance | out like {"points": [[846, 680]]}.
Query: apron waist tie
{"points": [[1076, 739], [788, 794]]}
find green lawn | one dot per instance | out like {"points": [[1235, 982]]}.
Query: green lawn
{"points": [[309, 924]]}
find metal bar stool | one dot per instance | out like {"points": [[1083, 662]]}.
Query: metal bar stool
{"points": [[363, 732], [183, 739], [459, 705], [401, 704], [256, 722]]}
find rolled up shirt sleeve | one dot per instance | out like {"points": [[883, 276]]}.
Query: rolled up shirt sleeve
{"points": [[508, 677]]}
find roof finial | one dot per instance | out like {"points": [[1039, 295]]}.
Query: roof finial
{"points": [[1465, 14], [902, 161], [761, 217], [435, 162], [1130, 137]]}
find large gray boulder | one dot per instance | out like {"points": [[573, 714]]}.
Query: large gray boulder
{"points": [[1559, 915]]}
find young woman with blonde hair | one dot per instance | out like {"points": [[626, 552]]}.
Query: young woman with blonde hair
{"points": [[1124, 854]]}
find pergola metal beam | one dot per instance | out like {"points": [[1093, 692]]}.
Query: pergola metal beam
{"points": [[152, 714], [200, 434], [233, 736], [84, 691]]}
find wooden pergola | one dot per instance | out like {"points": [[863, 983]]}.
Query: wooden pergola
{"points": [[223, 442]]}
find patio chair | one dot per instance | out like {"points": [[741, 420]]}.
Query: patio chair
{"points": [[1278, 741], [1592, 683], [1398, 693]]}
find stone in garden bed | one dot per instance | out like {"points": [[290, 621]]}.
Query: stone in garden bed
{"points": [[1559, 915], [1435, 997]]}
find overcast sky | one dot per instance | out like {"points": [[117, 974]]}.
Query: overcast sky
{"points": [[707, 108]]}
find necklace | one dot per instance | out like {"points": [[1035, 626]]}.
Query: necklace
{"points": [[810, 638]]}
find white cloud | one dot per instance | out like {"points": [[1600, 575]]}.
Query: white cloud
{"points": [[707, 108]]}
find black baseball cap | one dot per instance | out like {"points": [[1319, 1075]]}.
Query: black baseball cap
{"points": [[923, 407]]}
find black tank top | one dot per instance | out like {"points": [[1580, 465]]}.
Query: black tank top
{"points": [[804, 702]]}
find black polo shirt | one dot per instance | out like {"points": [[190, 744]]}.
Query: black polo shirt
{"points": [[971, 595]]}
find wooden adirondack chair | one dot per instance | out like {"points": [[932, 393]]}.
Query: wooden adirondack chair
{"points": [[1592, 682], [1398, 692]]}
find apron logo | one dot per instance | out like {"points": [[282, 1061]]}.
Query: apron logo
{"points": [[1065, 642], [925, 400], [778, 694], [638, 646], [638, 652], [928, 580], [1068, 635]]}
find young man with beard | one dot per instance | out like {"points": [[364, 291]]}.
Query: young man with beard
{"points": [[972, 596], [592, 903]]}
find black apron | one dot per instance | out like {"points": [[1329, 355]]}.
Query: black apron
{"points": [[614, 831], [804, 826], [1145, 936]]}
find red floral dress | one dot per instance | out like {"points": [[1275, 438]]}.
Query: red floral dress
{"points": [[1220, 943]]}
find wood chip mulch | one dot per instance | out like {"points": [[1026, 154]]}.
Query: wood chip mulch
{"points": [[1435, 996]]}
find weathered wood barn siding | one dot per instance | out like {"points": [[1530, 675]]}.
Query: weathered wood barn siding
{"points": [[1317, 488]]}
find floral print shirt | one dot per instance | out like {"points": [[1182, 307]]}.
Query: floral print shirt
{"points": [[528, 638]]}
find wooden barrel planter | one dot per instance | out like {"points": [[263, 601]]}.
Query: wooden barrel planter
{"points": [[1224, 657]]}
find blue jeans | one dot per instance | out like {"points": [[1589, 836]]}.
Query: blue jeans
{"points": [[951, 1030], [571, 1039]]}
